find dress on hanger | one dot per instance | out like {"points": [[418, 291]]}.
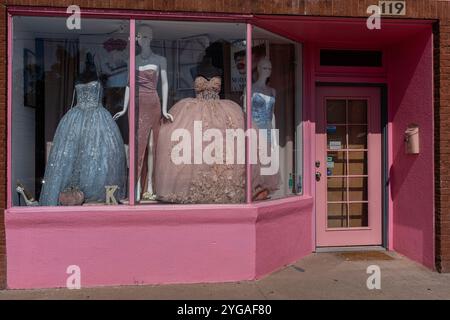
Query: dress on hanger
{"points": [[200, 183], [148, 115], [88, 151]]}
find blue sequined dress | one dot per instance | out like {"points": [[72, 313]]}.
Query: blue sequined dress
{"points": [[88, 151], [262, 112], [262, 115]]}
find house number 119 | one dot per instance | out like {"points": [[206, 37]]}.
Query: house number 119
{"points": [[392, 8]]}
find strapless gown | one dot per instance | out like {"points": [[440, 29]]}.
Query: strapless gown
{"points": [[262, 115], [88, 151], [148, 118], [200, 183]]}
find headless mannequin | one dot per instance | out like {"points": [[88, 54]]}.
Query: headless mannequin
{"points": [[260, 86], [147, 60], [264, 68]]}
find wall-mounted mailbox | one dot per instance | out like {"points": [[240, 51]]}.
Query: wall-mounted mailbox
{"points": [[412, 139]]}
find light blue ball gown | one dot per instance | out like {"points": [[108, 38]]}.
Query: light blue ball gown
{"points": [[88, 151]]}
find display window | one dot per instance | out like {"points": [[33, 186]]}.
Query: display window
{"points": [[276, 113], [124, 112], [189, 95], [68, 83]]}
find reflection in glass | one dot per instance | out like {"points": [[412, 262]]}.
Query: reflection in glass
{"points": [[337, 189], [337, 215], [336, 111], [358, 215], [357, 111]]}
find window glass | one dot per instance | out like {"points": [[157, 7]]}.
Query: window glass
{"points": [[351, 58], [276, 115], [190, 121], [67, 86]]}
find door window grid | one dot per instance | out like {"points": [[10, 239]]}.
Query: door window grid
{"points": [[347, 204]]}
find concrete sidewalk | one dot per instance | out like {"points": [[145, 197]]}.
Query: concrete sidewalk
{"points": [[318, 276]]}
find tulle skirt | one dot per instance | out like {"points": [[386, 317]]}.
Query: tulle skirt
{"points": [[87, 154], [179, 175]]}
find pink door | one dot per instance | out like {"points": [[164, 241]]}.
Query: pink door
{"points": [[348, 167]]}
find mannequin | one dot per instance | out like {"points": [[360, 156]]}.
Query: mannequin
{"points": [[263, 107], [146, 61], [260, 85]]}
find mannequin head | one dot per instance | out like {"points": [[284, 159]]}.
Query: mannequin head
{"points": [[264, 69], [144, 36]]}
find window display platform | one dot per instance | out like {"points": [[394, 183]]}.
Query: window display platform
{"points": [[155, 245]]}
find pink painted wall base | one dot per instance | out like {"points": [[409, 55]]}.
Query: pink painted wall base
{"points": [[157, 245]]}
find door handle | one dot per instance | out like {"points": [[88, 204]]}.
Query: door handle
{"points": [[318, 176]]}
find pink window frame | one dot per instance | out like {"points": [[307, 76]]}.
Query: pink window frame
{"points": [[132, 16]]}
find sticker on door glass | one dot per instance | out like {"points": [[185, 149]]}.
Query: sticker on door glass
{"points": [[335, 145], [330, 162], [331, 129]]}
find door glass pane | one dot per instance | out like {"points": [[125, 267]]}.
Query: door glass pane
{"points": [[347, 169], [357, 163], [359, 215], [337, 215], [357, 137], [336, 137], [336, 163], [337, 189], [357, 111], [336, 111], [357, 189]]}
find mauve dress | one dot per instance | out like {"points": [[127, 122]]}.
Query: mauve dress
{"points": [[88, 151], [148, 116]]}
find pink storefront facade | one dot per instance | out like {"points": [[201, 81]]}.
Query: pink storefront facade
{"points": [[135, 244]]}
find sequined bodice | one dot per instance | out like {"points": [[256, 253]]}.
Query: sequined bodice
{"points": [[88, 94], [147, 79], [262, 109], [207, 89]]}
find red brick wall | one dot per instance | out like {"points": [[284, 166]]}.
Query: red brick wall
{"points": [[442, 141], [426, 9], [2, 143]]}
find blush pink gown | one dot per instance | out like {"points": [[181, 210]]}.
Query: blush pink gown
{"points": [[202, 183]]}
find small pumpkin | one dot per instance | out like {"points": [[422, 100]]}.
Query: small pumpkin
{"points": [[71, 197]]}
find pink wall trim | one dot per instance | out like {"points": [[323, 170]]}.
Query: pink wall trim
{"points": [[9, 115], [412, 176], [390, 151], [132, 115], [176, 244], [309, 147], [248, 89]]}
